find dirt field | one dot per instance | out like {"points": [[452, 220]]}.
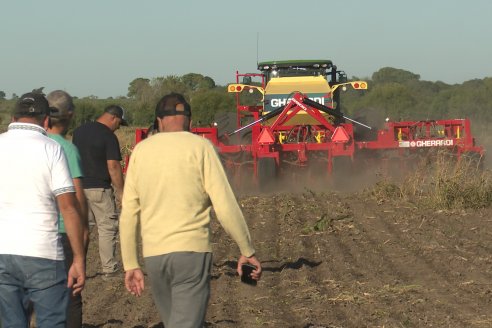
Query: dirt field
{"points": [[334, 260]]}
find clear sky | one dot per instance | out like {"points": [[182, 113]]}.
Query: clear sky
{"points": [[98, 47]]}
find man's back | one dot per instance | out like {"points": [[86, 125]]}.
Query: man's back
{"points": [[176, 170], [174, 179], [96, 144], [27, 192], [35, 184]]}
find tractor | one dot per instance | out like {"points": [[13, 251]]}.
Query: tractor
{"points": [[289, 123]]}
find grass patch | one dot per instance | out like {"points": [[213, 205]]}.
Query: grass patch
{"points": [[441, 181]]}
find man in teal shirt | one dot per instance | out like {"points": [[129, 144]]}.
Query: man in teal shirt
{"points": [[61, 116]]}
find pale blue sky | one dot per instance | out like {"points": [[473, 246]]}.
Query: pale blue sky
{"points": [[98, 47]]}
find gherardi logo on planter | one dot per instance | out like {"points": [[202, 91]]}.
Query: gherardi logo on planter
{"points": [[275, 101], [426, 143]]}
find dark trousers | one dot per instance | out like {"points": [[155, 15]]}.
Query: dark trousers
{"points": [[74, 309]]}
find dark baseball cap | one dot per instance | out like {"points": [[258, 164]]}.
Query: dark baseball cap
{"points": [[117, 111], [32, 104], [172, 104]]}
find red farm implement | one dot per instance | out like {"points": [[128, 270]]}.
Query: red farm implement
{"points": [[297, 126]]}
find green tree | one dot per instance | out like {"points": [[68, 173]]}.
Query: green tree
{"points": [[2, 95], [138, 87], [196, 82], [389, 74], [170, 83], [206, 104], [86, 110], [393, 100]]}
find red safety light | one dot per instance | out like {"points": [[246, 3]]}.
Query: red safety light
{"points": [[359, 85], [235, 87]]}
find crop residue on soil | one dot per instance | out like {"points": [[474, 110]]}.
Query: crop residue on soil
{"points": [[333, 260]]}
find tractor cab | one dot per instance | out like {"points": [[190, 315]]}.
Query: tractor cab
{"points": [[294, 68], [284, 78], [319, 80], [316, 79]]}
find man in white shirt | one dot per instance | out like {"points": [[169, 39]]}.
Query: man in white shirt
{"points": [[35, 184]]}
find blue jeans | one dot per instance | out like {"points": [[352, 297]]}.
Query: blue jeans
{"points": [[41, 281]]}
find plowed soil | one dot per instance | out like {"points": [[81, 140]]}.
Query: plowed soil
{"points": [[333, 259]]}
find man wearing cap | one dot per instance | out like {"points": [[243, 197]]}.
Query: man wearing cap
{"points": [[60, 121], [103, 180], [35, 181], [170, 197]]}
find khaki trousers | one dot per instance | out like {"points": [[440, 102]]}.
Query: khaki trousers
{"points": [[102, 209]]}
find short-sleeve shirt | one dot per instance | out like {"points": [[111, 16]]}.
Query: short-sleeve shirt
{"points": [[74, 164], [33, 172], [97, 144]]}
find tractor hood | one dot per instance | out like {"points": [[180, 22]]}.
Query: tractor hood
{"points": [[279, 90]]}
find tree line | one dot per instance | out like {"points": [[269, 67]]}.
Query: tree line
{"points": [[393, 93]]}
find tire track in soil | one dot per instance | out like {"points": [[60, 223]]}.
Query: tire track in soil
{"points": [[347, 271], [319, 275], [390, 273], [238, 302], [348, 252], [380, 269], [302, 271], [330, 276], [442, 270], [405, 267], [343, 280], [274, 247], [416, 268], [365, 253]]}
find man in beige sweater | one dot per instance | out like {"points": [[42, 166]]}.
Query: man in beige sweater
{"points": [[173, 180]]}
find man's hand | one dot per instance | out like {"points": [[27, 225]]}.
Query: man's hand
{"points": [[117, 180], [118, 196], [256, 274], [67, 203], [76, 277], [134, 281]]}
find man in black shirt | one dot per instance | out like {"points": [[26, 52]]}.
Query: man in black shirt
{"points": [[103, 179]]}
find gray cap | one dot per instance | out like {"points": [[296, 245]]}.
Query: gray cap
{"points": [[62, 101]]}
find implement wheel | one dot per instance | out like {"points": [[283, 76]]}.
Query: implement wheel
{"points": [[267, 172]]}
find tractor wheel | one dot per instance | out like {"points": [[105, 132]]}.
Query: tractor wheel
{"points": [[267, 172]]}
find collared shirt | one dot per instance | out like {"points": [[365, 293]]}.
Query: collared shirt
{"points": [[33, 171]]}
